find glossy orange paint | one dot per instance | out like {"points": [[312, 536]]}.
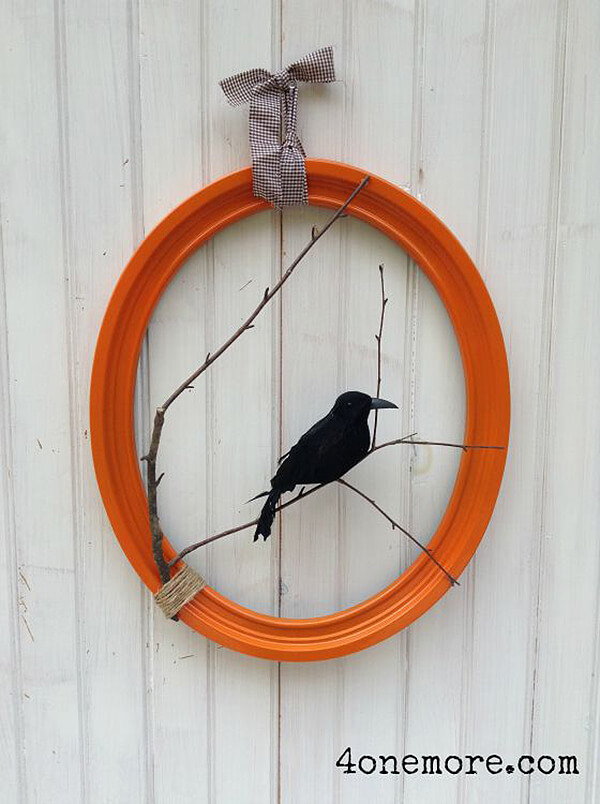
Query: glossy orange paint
{"points": [[419, 232]]}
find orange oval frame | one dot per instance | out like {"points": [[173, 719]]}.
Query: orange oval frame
{"points": [[417, 230]]}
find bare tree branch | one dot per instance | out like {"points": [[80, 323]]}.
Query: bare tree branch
{"points": [[159, 417], [394, 524], [152, 486], [164, 567], [464, 447], [303, 494], [268, 295], [300, 496]]}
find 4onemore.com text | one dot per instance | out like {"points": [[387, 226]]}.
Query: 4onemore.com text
{"points": [[469, 764]]}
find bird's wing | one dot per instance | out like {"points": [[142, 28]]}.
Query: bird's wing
{"points": [[315, 432], [321, 437], [305, 457]]}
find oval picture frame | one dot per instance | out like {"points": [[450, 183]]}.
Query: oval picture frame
{"points": [[439, 254]]}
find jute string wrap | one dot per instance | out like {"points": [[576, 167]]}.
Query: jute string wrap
{"points": [[278, 169], [179, 590]]}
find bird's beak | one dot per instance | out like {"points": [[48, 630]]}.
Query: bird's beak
{"points": [[381, 403]]}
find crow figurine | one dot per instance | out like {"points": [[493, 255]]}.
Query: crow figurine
{"points": [[324, 453]]}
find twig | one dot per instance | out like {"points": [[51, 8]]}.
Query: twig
{"points": [[394, 524], [164, 567], [300, 496], [378, 338], [268, 295], [464, 447], [159, 418]]}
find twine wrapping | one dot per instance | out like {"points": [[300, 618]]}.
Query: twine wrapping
{"points": [[178, 591], [278, 169]]}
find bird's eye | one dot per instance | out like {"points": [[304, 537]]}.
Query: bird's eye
{"points": [[349, 404]]}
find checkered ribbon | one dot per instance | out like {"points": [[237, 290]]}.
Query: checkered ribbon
{"points": [[279, 173]]}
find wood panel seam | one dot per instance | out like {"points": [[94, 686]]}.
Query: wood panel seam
{"points": [[75, 413]]}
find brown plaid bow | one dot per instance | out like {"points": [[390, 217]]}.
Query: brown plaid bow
{"points": [[279, 173]]}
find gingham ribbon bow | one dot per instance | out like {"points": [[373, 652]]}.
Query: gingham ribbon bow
{"points": [[279, 173]]}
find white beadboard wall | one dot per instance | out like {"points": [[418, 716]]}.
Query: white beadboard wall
{"points": [[111, 114]]}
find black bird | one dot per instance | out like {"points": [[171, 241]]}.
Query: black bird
{"points": [[324, 453]]}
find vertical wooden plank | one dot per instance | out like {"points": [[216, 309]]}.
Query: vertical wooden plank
{"points": [[378, 74], [248, 709], [101, 155], [11, 700], [565, 671], [335, 551], [179, 656], [173, 45], [241, 419], [520, 182], [311, 694], [227, 423], [311, 378], [446, 169], [41, 526]]}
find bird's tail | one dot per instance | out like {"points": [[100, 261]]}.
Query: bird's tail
{"points": [[267, 515]]}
